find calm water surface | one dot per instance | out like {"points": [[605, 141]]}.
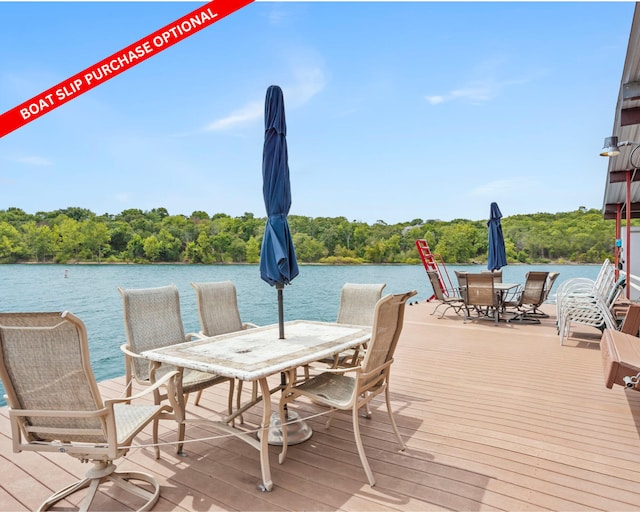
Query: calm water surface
{"points": [[91, 293]]}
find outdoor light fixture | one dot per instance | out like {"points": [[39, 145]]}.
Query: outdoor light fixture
{"points": [[612, 146]]}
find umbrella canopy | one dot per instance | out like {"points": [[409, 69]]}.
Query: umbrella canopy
{"points": [[278, 264], [497, 253]]}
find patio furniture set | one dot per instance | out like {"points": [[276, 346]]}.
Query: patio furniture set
{"points": [[45, 355], [484, 296]]}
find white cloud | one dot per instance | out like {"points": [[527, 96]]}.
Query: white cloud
{"points": [[34, 160], [499, 187], [246, 114], [277, 15], [485, 87], [307, 82], [435, 100]]}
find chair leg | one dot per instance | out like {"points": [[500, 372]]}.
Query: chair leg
{"points": [[393, 420], [360, 446], [63, 493], [180, 417], [103, 471]]}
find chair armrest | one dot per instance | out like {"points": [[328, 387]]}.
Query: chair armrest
{"points": [[513, 295], [125, 348], [171, 376], [343, 369]]}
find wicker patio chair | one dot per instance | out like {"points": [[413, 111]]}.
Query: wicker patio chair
{"points": [[480, 296], [152, 319], [219, 314], [452, 300], [353, 388], [218, 308], [55, 405], [529, 299], [357, 306]]}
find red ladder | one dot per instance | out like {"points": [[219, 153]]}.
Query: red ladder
{"points": [[434, 262]]}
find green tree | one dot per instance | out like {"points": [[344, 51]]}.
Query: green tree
{"points": [[308, 249], [94, 238], [10, 243], [152, 248], [38, 240], [253, 250], [135, 248], [67, 232]]}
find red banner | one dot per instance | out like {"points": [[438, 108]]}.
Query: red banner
{"points": [[115, 64]]}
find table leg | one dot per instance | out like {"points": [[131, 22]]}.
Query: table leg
{"points": [[267, 484]]}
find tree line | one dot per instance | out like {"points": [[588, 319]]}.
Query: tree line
{"points": [[78, 235]]}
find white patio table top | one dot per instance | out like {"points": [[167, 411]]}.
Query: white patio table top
{"points": [[255, 354]]}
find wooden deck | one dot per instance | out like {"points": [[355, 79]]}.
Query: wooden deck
{"points": [[495, 418]]}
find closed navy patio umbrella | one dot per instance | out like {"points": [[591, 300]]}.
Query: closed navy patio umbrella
{"points": [[497, 253], [278, 264]]}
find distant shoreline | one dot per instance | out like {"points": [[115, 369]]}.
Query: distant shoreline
{"points": [[221, 264]]}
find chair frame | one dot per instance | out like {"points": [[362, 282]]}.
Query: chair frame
{"points": [[530, 298], [218, 320], [453, 299], [167, 301], [357, 307], [218, 312], [480, 295], [370, 378], [98, 432]]}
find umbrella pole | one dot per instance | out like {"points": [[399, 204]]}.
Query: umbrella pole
{"points": [[279, 287], [297, 430]]}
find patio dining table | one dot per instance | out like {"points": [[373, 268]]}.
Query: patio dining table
{"points": [[255, 355], [502, 290]]}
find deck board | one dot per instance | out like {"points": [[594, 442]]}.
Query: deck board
{"points": [[494, 418]]}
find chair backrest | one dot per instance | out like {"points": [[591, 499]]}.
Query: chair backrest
{"points": [[152, 319], [462, 278], [217, 307], [497, 275], [358, 302], [462, 283], [480, 290], [387, 326], [534, 288], [45, 366], [611, 296], [551, 278], [434, 279]]}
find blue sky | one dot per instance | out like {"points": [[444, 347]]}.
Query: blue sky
{"points": [[395, 110]]}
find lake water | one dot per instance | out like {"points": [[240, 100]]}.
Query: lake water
{"points": [[91, 293]]}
